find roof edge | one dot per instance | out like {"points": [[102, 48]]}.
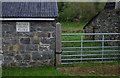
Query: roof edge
{"points": [[43, 19]]}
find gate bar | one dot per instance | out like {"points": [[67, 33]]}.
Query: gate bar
{"points": [[91, 51], [93, 34]]}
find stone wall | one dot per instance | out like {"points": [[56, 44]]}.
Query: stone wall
{"points": [[34, 48], [108, 21]]}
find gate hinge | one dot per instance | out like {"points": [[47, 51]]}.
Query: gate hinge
{"points": [[59, 52]]}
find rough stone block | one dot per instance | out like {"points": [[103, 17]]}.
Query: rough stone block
{"points": [[14, 41], [26, 56], [52, 41], [7, 48], [16, 47], [18, 57], [42, 55], [53, 24], [4, 28], [35, 41], [26, 34], [11, 54], [52, 46], [23, 64], [32, 47], [6, 41], [45, 40], [47, 29], [50, 35], [1, 57], [54, 34], [44, 47], [13, 64], [4, 48], [42, 34], [31, 34], [33, 29], [25, 40], [48, 55], [22, 48], [33, 64], [7, 58], [37, 56]]}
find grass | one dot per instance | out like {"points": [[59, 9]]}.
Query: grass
{"points": [[89, 64], [72, 27], [34, 71], [78, 44]]}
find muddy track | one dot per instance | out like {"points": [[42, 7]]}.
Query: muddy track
{"points": [[113, 70]]}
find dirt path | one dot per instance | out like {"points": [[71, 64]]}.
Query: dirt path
{"points": [[113, 70]]}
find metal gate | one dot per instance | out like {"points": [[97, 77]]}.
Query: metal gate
{"points": [[102, 47]]}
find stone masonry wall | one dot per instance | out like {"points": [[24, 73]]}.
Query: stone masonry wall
{"points": [[108, 21], [35, 48]]}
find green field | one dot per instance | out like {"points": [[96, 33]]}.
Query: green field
{"points": [[72, 25]]}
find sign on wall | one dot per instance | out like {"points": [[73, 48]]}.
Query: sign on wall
{"points": [[22, 26]]}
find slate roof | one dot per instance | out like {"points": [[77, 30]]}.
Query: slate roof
{"points": [[29, 9]]}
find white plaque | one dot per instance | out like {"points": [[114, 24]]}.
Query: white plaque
{"points": [[22, 26]]}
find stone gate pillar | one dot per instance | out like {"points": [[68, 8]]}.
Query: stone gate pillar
{"points": [[58, 44]]}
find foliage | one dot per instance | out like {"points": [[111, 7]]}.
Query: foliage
{"points": [[78, 10]]}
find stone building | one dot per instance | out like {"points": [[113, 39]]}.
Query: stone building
{"points": [[106, 21], [28, 30]]}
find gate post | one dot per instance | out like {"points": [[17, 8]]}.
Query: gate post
{"points": [[58, 44]]}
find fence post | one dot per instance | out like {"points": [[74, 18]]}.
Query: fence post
{"points": [[58, 44]]}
